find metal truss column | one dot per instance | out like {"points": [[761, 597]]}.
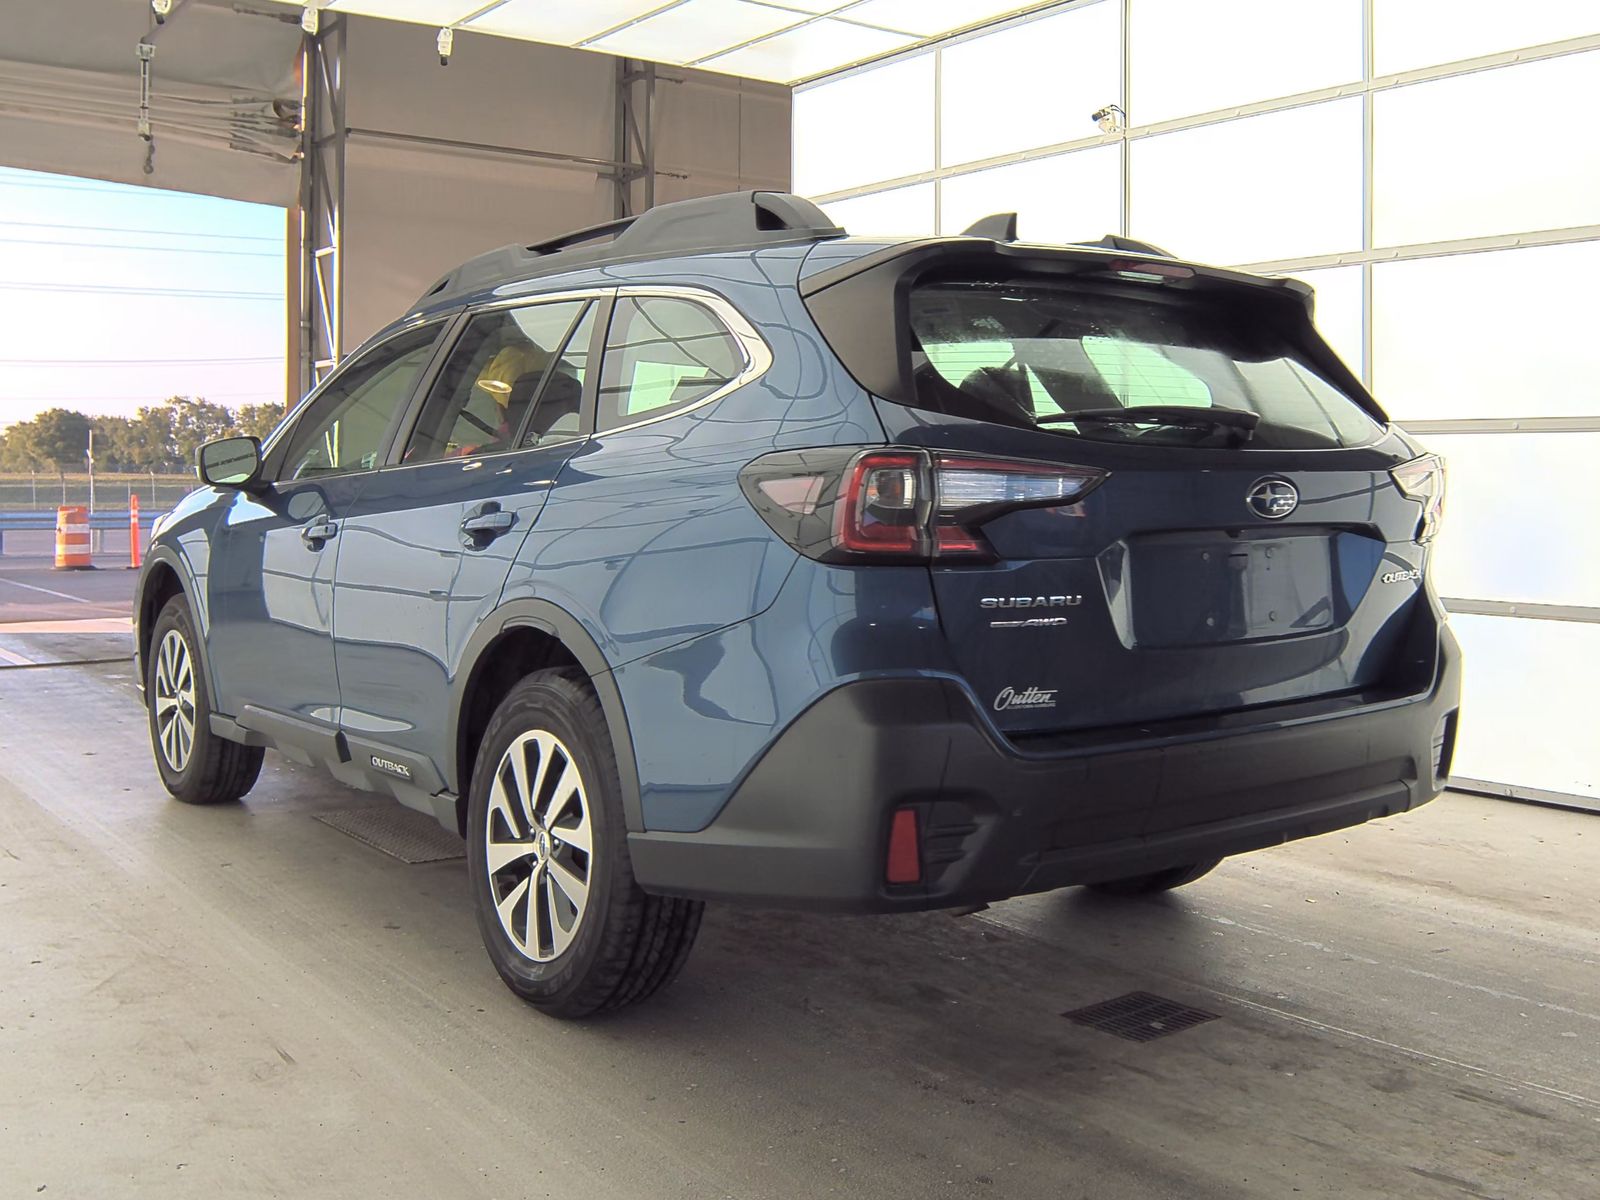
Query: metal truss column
{"points": [[634, 144], [320, 325]]}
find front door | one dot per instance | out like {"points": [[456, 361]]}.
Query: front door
{"points": [[427, 547], [272, 564]]}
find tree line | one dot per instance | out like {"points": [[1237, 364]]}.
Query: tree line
{"points": [[159, 437]]}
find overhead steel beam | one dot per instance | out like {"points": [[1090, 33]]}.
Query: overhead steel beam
{"points": [[603, 166]]}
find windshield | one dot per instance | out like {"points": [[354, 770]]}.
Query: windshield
{"points": [[1174, 368]]}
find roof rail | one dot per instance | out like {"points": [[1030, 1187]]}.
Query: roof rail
{"points": [[731, 221], [1115, 241]]}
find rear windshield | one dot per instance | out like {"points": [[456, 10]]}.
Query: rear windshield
{"points": [[1086, 362]]}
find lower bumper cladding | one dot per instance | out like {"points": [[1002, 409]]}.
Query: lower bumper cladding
{"points": [[828, 818]]}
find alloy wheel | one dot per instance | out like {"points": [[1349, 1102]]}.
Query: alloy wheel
{"points": [[538, 845], [174, 700]]}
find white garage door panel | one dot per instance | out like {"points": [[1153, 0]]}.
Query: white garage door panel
{"points": [[864, 128], [1505, 334], [1338, 310], [1519, 517], [1065, 198], [1031, 86], [1196, 56], [1527, 715], [1263, 189], [906, 211], [1419, 33], [1495, 152]]}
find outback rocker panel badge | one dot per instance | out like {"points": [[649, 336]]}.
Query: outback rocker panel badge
{"points": [[392, 767]]}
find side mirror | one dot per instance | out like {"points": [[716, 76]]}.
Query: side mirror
{"points": [[230, 462]]}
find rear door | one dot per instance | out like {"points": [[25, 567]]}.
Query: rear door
{"points": [[1226, 561], [427, 547]]}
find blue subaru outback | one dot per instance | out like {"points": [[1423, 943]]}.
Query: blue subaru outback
{"points": [[715, 555]]}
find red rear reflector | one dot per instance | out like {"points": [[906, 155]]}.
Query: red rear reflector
{"points": [[905, 856], [799, 494]]}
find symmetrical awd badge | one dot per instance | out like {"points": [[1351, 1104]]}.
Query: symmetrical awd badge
{"points": [[1029, 602]]}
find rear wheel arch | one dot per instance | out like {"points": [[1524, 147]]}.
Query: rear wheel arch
{"points": [[516, 640]]}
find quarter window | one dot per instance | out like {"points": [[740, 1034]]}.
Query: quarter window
{"points": [[506, 365], [662, 355], [345, 428]]}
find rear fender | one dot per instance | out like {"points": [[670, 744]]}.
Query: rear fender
{"points": [[565, 628]]}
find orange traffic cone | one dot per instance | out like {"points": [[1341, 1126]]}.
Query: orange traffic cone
{"points": [[135, 541]]}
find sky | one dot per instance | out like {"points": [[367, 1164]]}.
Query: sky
{"points": [[114, 296]]}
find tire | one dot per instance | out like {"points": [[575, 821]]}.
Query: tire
{"points": [[195, 765], [569, 929], [1156, 881]]}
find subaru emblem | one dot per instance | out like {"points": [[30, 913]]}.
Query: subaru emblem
{"points": [[1273, 499]]}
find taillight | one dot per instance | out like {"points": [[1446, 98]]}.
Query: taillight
{"points": [[971, 491], [846, 504], [1422, 479], [881, 507]]}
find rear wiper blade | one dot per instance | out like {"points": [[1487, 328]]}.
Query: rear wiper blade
{"points": [[1238, 421]]}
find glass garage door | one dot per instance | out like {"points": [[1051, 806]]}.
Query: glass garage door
{"points": [[1429, 167]]}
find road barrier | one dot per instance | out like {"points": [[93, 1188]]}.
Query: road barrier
{"points": [[72, 538], [39, 526]]}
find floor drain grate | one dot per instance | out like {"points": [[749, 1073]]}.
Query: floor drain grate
{"points": [[401, 833], [1140, 1017]]}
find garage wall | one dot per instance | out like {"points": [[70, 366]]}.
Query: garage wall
{"points": [[69, 97], [1430, 166], [413, 211]]}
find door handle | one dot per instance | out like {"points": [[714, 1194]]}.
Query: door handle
{"points": [[482, 528], [314, 533]]}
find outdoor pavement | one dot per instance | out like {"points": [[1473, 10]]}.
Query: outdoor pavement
{"points": [[32, 590], [242, 1001]]}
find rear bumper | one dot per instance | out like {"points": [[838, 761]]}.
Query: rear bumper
{"points": [[809, 825]]}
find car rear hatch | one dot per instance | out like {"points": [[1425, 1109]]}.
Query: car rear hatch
{"points": [[1240, 538]]}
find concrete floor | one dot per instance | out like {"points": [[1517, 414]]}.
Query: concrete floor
{"points": [[245, 1002]]}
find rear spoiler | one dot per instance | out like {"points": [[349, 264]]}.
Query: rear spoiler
{"points": [[861, 305]]}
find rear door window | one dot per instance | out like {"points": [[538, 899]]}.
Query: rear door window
{"points": [[663, 354], [1083, 361], [506, 365]]}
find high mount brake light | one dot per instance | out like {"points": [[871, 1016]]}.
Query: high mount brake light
{"points": [[1423, 480], [1149, 272], [844, 504]]}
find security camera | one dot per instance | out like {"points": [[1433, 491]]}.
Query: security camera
{"points": [[447, 41], [310, 19], [162, 9], [1110, 119]]}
